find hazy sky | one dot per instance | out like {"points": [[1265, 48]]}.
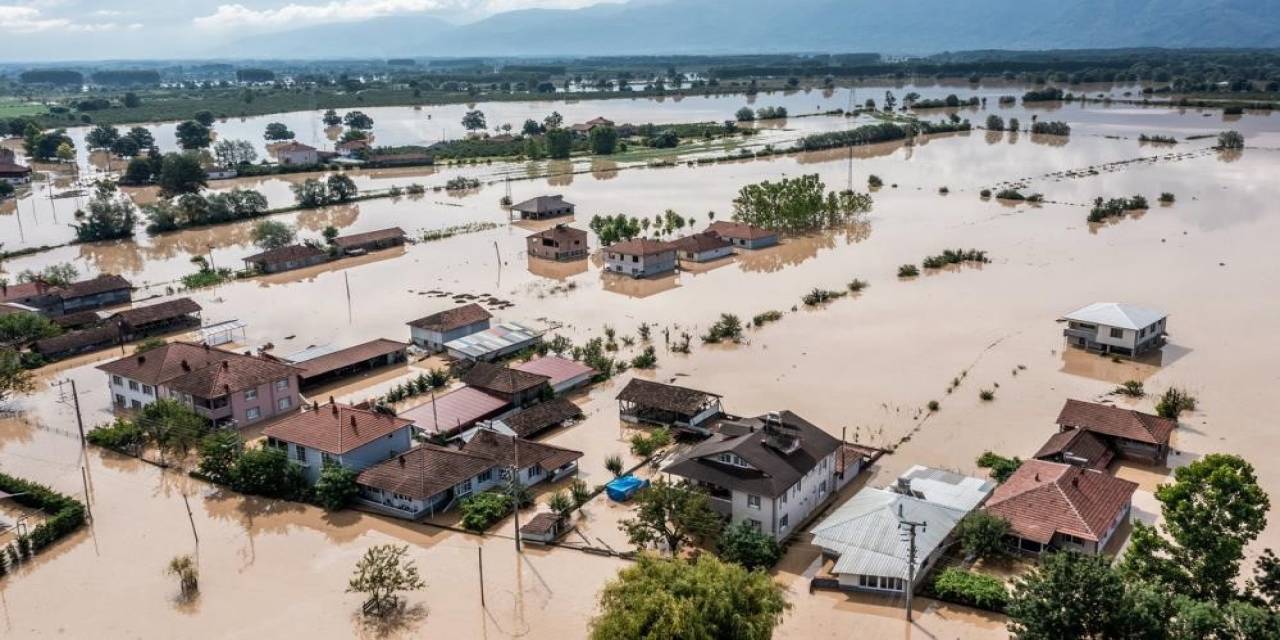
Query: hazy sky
{"points": [[95, 29]]}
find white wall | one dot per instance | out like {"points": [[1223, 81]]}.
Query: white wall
{"points": [[130, 396]]}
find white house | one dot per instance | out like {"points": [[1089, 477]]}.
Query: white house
{"points": [[1115, 328], [640, 258], [296, 153], [433, 331], [339, 434], [772, 471]]}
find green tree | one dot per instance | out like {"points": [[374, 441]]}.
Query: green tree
{"points": [[604, 140], [336, 487], [310, 193], [553, 121], [1230, 140], [797, 204], [1069, 595], [14, 378], [193, 135], [181, 173], [381, 575], [142, 136], [531, 127], [561, 504], [109, 216], [613, 464], [331, 118], [474, 120], [1212, 510], [278, 131], [45, 145], [131, 100], [670, 515], [981, 534], [341, 187], [995, 123], [102, 137], [706, 598], [188, 574], [205, 118], [233, 153], [745, 114], [273, 234], [20, 328], [66, 152], [267, 472], [749, 547], [218, 454], [125, 147], [358, 120], [559, 143]]}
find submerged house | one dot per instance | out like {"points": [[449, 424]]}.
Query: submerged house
{"points": [[452, 412], [358, 243], [667, 405], [339, 434], [433, 331], [540, 417], [170, 315], [1115, 328], [1055, 506], [294, 256], [1131, 434], [702, 247], [560, 242], [493, 343], [12, 172], [743, 235], [294, 153], [640, 258], [771, 471], [319, 368], [564, 374], [543, 207], [103, 291], [1078, 447]]}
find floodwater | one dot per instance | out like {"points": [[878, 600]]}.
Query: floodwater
{"points": [[865, 365]]}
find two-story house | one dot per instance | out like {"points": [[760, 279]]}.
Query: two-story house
{"points": [[640, 258], [1115, 328], [339, 434], [227, 388], [771, 471], [433, 331]]}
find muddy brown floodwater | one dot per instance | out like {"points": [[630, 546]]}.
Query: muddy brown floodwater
{"points": [[866, 365]]}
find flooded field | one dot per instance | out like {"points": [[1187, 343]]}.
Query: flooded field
{"points": [[866, 365]]}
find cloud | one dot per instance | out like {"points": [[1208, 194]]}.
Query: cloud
{"points": [[238, 16], [27, 19]]}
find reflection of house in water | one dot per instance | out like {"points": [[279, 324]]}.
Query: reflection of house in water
{"points": [[797, 250], [553, 270], [638, 287]]}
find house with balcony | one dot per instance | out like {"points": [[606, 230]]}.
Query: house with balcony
{"points": [[227, 388], [1115, 328], [771, 471], [543, 207], [667, 405], [558, 243], [340, 434]]}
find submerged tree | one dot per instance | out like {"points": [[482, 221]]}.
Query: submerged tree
{"points": [[381, 575], [670, 515], [188, 574]]}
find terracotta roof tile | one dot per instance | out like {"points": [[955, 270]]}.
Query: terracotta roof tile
{"points": [[236, 373], [500, 448], [335, 428], [1078, 443], [726, 229], [451, 319], [168, 310], [1114, 421], [542, 416], [499, 379], [1042, 498], [700, 242], [358, 239], [641, 247], [667, 397], [424, 471], [286, 254], [351, 355]]}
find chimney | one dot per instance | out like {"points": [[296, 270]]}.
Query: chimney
{"points": [[226, 365], [206, 346], [315, 406], [142, 359], [330, 399], [1037, 476], [333, 407], [401, 461], [1075, 482], [185, 365]]}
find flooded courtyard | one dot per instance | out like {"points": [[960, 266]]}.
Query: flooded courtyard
{"points": [[866, 365]]}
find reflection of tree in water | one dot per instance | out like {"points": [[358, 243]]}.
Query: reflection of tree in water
{"points": [[560, 173], [113, 257], [1049, 140], [1013, 137], [333, 133], [994, 137], [340, 216], [798, 249], [199, 241], [861, 152], [603, 169], [1230, 155]]}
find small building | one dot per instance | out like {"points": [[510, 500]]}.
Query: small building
{"points": [[667, 405], [1131, 434], [537, 461], [357, 243], [170, 315], [339, 434], [493, 343], [585, 128], [433, 331], [772, 471], [702, 247], [221, 173], [560, 242], [455, 411], [540, 417], [296, 153], [77, 342], [543, 207], [1078, 447], [544, 528], [350, 361], [14, 173], [294, 256], [103, 291], [744, 235], [518, 388], [565, 374], [352, 148], [640, 258], [1055, 506], [1115, 328]]}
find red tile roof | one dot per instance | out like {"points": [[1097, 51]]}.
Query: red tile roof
{"points": [[1042, 498], [286, 254], [93, 286], [1078, 443], [700, 242], [349, 356], [641, 247], [457, 409], [726, 229], [232, 373], [368, 237], [502, 449], [335, 428], [424, 471], [499, 379], [558, 369], [162, 364], [451, 319], [167, 310], [1117, 422]]}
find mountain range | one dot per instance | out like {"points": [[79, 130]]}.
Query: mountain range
{"points": [[663, 27]]}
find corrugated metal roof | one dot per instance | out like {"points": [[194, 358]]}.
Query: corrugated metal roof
{"points": [[503, 336], [864, 532], [1117, 314], [946, 488]]}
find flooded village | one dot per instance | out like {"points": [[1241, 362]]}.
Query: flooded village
{"points": [[441, 343]]}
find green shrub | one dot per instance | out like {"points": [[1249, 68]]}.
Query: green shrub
{"points": [[1010, 194], [762, 319], [749, 547], [65, 514], [1131, 388], [973, 589], [645, 445], [982, 534], [984, 194], [934, 406], [336, 487], [857, 285], [267, 472], [987, 395], [999, 466], [647, 359], [728, 327], [121, 435], [908, 271], [821, 296], [1167, 198], [481, 511], [955, 256], [1173, 402]]}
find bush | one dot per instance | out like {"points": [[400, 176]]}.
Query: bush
{"points": [[749, 547], [874, 181], [985, 193], [121, 435], [987, 395], [728, 327], [267, 472], [613, 464], [955, 256], [646, 359], [762, 319], [1230, 140], [856, 285], [999, 466], [1131, 388], [934, 406], [65, 514], [1167, 198], [973, 589], [645, 445], [1008, 194], [908, 271], [1051, 128], [821, 296], [982, 534], [481, 511], [1173, 402], [336, 487]]}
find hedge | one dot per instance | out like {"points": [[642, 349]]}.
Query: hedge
{"points": [[65, 514], [971, 589]]}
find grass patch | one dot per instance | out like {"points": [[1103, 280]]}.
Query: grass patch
{"points": [[908, 271], [955, 256], [762, 319], [821, 296]]}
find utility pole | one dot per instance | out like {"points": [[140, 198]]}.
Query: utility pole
{"points": [[909, 535], [480, 561], [84, 478], [515, 479], [75, 400]]}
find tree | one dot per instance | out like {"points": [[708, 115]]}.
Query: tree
{"points": [[310, 193], [102, 137], [278, 131], [706, 598], [193, 135], [138, 172], [66, 152], [531, 128], [109, 216], [995, 123], [341, 187], [358, 120], [1069, 595], [353, 134], [142, 136], [331, 118], [561, 504], [20, 328], [131, 100], [205, 118], [218, 454], [559, 143], [745, 114], [670, 515], [1212, 510], [14, 378], [797, 204], [267, 472], [44, 145], [272, 234], [749, 547], [381, 575], [553, 121], [125, 147], [336, 487], [613, 464], [1230, 140], [181, 173], [61, 274], [604, 140], [233, 153], [982, 534], [188, 574], [474, 120]]}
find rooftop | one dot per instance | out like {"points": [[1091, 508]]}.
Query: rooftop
{"points": [[499, 379], [1117, 422], [1117, 314], [1078, 444], [168, 310], [559, 370], [234, 373], [727, 229], [357, 239], [700, 242], [504, 336], [449, 411], [94, 286], [335, 428], [506, 451], [542, 204], [943, 487], [542, 416], [286, 254], [161, 364], [865, 533], [1042, 498], [641, 247], [451, 319], [424, 471], [356, 354], [562, 234], [667, 397]]}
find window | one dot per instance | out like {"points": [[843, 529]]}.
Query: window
{"points": [[535, 471], [300, 453], [755, 524], [253, 413], [782, 522], [251, 394], [117, 381], [146, 389], [485, 476], [464, 487], [136, 404], [784, 497], [326, 459], [133, 385], [753, 502], [284, 403], [119, 400], [1117, 333], [282, 385]]}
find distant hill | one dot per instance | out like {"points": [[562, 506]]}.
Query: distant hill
{"points": [[745, 26]]}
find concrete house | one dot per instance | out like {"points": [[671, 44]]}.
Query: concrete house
{"points": [[358, 243], [543, 207], [103, 291], [743, 235], [1055, 506], [560, 242], [667, 405], [12, 172], [771, 471], [294, 153], [339, 434], [640, 258], [516, 387], [227, 388], [433, 331], [702, 247], [294, 256], [1115, 328], [1131, 434]]}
